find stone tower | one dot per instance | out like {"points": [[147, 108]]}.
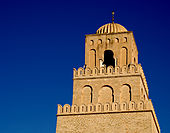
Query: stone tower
{"points": [[110, 94]]}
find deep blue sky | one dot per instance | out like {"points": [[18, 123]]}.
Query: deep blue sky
{"points": [[41, 42]]}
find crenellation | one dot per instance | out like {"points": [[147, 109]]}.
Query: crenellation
{"points": [[59, 109], [107, 107], [99, 107], [110, 70], [75, 72], [132, 105], [74, 108], [123, 106], [115, 106], [117, 70], [133, 69], [95, 71], [124, 69], [67, 108], [90, 108], [103, 71], [80, 72], [83, 108], [88, 71]]}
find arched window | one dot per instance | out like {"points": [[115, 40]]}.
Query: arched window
{"points": [[92, 58], [91, 42], [125, 93], [108, 58], [99, 41], [108, 41], [123, 56], [134, 60], [86, 96], [116, 40], [106, 95], [125, 39]]}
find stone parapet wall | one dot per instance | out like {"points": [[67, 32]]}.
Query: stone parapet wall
{"points": [[141, 113], [104, 72], [98, 108]]}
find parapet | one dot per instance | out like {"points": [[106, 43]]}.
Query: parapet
{"points": [[104, 108], [103, 71], [126, 70]]}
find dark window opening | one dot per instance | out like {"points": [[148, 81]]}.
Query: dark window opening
{"points": [[130, 94], [108, 58], [90, 108]]}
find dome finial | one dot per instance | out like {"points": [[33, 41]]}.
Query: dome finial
{"points": [[113, 16]]}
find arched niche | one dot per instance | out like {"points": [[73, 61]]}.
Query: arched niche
{"points": [[105, 95], [91, 42], [123, 56], [108, 41], [92, 58], [125, 39], [116, 40], [99, 41], [125, 93], [86, 96]]}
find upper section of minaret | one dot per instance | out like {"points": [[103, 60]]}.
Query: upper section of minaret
{"points": [[111, 28], [112, 45]]}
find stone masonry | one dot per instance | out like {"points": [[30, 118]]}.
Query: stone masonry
{"points": [[110, 93]]}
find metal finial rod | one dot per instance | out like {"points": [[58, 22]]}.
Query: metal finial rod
{"points": [[113, 16]]}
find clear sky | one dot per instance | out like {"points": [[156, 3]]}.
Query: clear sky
{"points": [[41, 41]]}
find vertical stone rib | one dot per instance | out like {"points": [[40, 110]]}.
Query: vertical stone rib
{"points": [[112, 28]]}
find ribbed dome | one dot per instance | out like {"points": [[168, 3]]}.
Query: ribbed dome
{"points": [[111, 28]]}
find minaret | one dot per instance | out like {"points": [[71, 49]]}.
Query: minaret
{"points": [[111, 94]]}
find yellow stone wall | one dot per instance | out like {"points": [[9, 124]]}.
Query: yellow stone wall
{"points": [[96, 44], [115, 85], [124, 122], [109, 99], [120, 82]]}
